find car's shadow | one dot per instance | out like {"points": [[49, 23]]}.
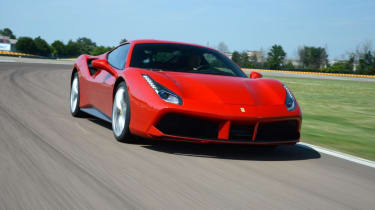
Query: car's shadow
{"points": [[225, 151], [235, 152]]}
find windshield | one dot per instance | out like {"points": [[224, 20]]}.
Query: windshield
{"points": [[183, 58]]}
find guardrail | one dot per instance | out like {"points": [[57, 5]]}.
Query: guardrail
{"points": [[313, 73], [9, 53]]}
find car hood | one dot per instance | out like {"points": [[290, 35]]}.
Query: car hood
{"points": [[207, 88]]}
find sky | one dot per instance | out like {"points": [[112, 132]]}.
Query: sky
{"points": [[338, 25]]}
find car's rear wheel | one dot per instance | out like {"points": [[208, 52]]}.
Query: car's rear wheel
{"points": [[74, 97], [121, 114]]}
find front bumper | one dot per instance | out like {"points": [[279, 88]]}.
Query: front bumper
{"points": [[194, 129], [235, 124]]}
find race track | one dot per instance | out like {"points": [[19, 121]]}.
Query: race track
{"points": [[50, 160]]}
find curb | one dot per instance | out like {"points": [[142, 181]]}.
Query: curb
{"points": [[341, 155], [314, 73]]}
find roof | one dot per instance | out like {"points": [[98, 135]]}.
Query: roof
{"points": [[141, 41]]}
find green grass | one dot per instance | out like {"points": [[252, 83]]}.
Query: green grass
{"points": [[337, 114]]}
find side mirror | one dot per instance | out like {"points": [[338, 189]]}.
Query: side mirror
{"points": [[103, 64], [255, 75]]}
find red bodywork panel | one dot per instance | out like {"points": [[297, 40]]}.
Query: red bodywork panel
{"points": [[223, 99]]}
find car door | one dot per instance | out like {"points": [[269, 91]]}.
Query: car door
{"points": [[104, 81]]}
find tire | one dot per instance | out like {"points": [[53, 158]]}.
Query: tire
{"points": [[75, 96], [121, 114]]}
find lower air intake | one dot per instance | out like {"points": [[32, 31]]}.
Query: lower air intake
{"points": [[241, 132], [188, 126], [278, 131]]}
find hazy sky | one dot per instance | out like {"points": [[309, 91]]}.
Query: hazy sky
{"points": [[339, 25]]}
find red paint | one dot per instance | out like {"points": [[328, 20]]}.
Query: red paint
{"points": [[205, 96], [224, 130], [104, 65], [255, 75]]}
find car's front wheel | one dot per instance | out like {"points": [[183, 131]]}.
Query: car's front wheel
{"points": [[121, 114]]}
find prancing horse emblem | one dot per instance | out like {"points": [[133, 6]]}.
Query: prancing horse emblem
{"points": [[242, 109]]}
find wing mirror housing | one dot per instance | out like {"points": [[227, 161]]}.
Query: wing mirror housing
{"points": [[104, 65], [255, 75]]}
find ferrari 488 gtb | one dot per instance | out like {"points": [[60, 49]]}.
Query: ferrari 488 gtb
{"points": [[177, 91]]}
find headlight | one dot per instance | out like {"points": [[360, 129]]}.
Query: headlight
{"points": [[290, 101], [164, 93]]}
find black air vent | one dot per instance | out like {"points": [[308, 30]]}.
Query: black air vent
{"points": [[241, 132], [92, 70], [278, 131], [188, 126]]}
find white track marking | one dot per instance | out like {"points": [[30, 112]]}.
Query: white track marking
{"points": [[34, 60], [344, 156], [7, 61]]}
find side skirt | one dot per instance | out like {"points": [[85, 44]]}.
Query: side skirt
{"points": [[96, 113]]}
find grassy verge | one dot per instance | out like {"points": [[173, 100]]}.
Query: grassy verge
{"points": [[337, 114]]}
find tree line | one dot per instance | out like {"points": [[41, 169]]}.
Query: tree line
{"points": [[58, 49], [310, 58]]}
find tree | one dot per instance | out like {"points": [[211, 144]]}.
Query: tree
{"points": [[365, 58], [244, 60], [236, 57], [254, 61], [348, 66], [72, 49], [289, 65], [42, 47], [100, 50], [362, 49], [7, 32], [340, 67], [313, 57], [26, 45], [276, 57], [123, 41], [85, 45], [222, 47], [58, 49], [367, 64]]}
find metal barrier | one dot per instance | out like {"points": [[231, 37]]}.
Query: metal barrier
{"points": [[9, 53], [313, 73]]}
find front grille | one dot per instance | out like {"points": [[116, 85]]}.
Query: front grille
{"points": [[241, 132], [278, 131], [187, 126]]}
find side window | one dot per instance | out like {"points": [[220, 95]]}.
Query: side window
{"points": [[117, 58]]}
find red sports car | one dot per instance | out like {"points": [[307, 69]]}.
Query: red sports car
{"points": [[178, 91]]}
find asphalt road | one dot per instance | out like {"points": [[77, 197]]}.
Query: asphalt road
{"points": [[50, 160]]}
